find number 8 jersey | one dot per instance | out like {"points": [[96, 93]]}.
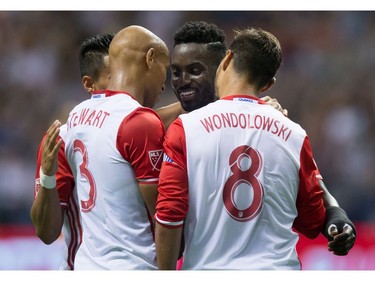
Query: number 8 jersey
{"points": [[240, 177]]}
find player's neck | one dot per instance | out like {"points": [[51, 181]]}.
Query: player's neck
{"points": [[238, 89]]}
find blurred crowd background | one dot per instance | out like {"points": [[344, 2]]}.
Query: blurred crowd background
{"points": [[326, 82]]}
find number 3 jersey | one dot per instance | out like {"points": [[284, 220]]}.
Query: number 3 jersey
{"points": [[239, 176], [71, 228], [113, 144]]}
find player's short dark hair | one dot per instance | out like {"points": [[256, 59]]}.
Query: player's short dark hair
{"points": [[202, 32], [257, 53], [91, 54]]}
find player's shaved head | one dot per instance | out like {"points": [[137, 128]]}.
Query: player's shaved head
{"points": [[135, 39], [134, 54]]}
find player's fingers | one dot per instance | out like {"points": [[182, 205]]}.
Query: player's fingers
{"points": [[332, 230], [266, 98], [55, 135], [51, 132], [57, 146], [347, 231], [285, 112], [274, 103], [53, 126], [347, 228], [342, 244], [341, 248], [341, 253]]}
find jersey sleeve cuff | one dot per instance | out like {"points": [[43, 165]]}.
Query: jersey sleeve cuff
{"points": [[148, 181], [169, 224]]}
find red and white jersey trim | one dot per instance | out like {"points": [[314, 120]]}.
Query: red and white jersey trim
{"points": [[168, 223]]}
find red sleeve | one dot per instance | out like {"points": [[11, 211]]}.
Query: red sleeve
{"points": [[140, 142], [38, 165], [310, 205], [172, 203], [64, 176]]}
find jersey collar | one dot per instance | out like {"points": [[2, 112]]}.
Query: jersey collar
{"points": [[244, 98], [107, 93]]}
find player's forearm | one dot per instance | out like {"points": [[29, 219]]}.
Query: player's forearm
{"points": [[167, 242], [169, 113], [328, 199], [149, 194], [46, 215]]}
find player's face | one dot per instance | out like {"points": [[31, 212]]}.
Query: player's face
{"points": [[193, 72], [157, 85]]}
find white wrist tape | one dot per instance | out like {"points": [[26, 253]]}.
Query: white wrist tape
{"points": [[48, 182]]}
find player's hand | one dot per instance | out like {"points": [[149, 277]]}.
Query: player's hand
{"points": [[50, 149], [342, 242], [275, 104]]}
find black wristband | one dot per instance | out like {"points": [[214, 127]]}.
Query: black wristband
{"points": [[336, 215]]}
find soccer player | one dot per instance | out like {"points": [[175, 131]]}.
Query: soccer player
{"points": [[198, 50], [113, 145], [240, 195], [56, 210]]}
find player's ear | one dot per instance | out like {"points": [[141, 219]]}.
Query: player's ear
{"points": [[88, 83], [268, 85], [150, 57], [227, 59]]}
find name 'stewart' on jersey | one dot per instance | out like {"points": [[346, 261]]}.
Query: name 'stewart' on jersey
{"points": [[87, 117], [246, 121]]}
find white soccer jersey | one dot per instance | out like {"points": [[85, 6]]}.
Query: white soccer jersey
{"points": [[112, 144], [240, 176], [71, 230]]}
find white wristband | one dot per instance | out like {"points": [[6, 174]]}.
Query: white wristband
{"points": [[48, 182]]}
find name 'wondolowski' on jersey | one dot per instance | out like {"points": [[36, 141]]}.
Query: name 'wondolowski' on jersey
{"points": [[246, 121]]}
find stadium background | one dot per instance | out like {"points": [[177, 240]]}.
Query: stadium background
{"points": [[326, 82]]}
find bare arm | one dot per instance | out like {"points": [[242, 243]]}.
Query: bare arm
{"points": [[328, 198], [169, 113], [167, 242], [46, 213], [338, 228], [149, 194]]}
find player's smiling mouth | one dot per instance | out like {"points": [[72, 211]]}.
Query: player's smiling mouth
{"points": [[187, 94]]}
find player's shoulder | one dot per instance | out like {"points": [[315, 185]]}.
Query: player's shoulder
{"points": [[278, 116], [293, 125], [79, 106], [146, 113], [144, 118], [200, 111]]}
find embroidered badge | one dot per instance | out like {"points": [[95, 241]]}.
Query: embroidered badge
{"points": [[156, 157]]}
